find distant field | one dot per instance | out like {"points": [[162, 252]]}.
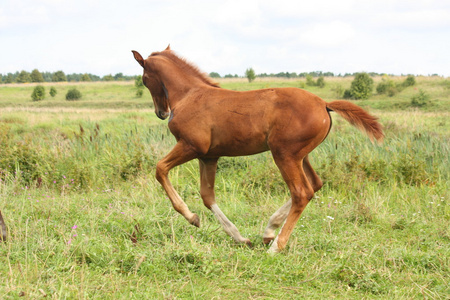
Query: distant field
{"points": [[87, 219]]}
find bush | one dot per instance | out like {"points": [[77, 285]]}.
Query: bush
{"points": [[338, 91], [409, 81], [320, 82], [362, 86], [347, 94], [138, 82], [38, 93], [53, 92], [421, 99], [73, 94], [139, 93], [310, 81], [388, 87]]}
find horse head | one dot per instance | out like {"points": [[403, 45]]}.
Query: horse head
{"points": [[152, 80]]}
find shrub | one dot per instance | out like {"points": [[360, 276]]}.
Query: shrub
{"points": [[347, 94], [338, 91], [320, 82], [310, 81], [138, 82], [139, 93], [73, 94], [420, 99], [53, 92], [388, 87], [362, 86], [38, 93], [409, 81]]}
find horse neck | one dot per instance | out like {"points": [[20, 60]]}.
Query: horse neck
{"points": [[179, 84]]}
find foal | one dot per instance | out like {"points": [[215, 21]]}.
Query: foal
{"points": [[209, 122]]}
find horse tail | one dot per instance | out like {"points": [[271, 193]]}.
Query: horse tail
{"points": [[359, 118]]}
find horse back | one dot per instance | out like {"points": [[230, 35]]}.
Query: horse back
{"points": [[229, 123]]}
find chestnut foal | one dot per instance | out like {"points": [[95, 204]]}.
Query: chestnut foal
{"points": [[209, 122]]}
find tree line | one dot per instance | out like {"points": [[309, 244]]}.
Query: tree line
{"points": [[58, 76], [296, 75]]}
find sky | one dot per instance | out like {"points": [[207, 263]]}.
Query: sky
{"points": [[227, 36]]}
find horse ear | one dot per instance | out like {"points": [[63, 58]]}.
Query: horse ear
{"points": [[138, 58], [168, 48]]}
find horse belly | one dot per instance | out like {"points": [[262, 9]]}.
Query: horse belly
{"points": [[238, 142]]}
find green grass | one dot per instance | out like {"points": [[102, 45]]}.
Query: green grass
{"points": [[87, 219]]}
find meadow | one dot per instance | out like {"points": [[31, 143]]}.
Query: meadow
{"points": [[87, 220]]}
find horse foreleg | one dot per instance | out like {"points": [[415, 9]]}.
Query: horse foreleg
{"points": [[2, 228], [301, 193], [208, 169], [275, 222], [180, 154]]}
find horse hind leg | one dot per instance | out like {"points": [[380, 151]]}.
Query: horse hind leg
{"points": [[313, 178], [301, 192], [278, 218], [207, 179]]}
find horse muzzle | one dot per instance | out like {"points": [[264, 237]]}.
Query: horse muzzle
{"points": [[163, 114]]}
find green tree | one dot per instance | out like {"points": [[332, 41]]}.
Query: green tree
{"points": [[108, 77], [361, 87], [214, 75], [119, 77], [250, 74], [38, 93], [23, 77], [85, 77], [59, 76], [36, 76], [9, 78], [53, 92]]}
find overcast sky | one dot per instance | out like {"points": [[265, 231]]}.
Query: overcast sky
{"points": [[340, 36]]}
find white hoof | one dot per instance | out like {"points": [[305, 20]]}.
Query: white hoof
{"points": [[274, 247]]}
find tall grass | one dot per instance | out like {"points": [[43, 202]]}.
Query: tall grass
{"points": [[87, 219]]}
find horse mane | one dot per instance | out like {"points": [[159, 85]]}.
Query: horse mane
{"points": [[188, 67]]}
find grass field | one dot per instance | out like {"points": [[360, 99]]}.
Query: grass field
{"points": [[87, 219]]}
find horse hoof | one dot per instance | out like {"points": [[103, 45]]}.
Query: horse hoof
{"points": [[267, 240], [248, 243], [195, 220]]}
